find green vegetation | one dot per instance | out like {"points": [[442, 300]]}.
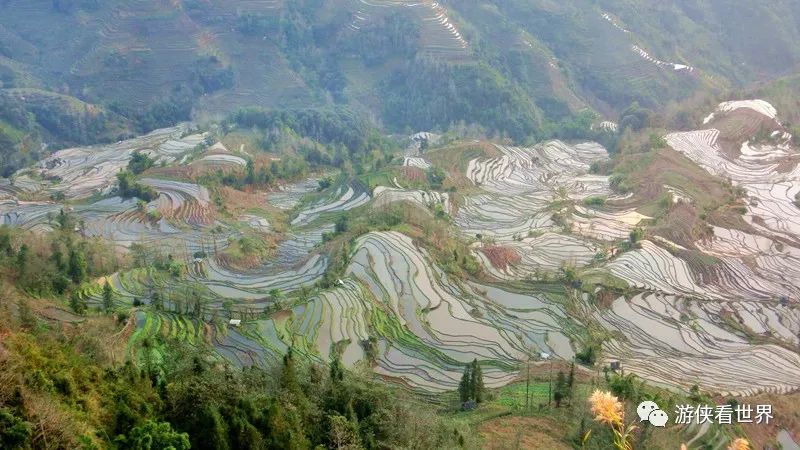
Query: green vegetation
{"points": [[14, 432], [54, 264], [175, 394], [471, 388], [263, 173], [594, 200], [335, 126], [391, 66], [127, 187], [154, 436], [139, 163], [31, 117], [479, 94]]}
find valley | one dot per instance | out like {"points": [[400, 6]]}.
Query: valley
{"points": [[371, 224], [554, 259]]}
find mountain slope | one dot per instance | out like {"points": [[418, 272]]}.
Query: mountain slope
{"points": [[554, 57]]}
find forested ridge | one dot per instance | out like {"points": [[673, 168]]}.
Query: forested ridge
{"points": [[508, 68]]}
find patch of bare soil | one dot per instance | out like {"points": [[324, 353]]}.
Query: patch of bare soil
{"points": [[513, 432], [741, 125], [786, 412], [236, 201], [500, 256], [413, 174]]}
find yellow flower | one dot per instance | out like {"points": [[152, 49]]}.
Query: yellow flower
{"points": [[606, 408], [739, 444]]}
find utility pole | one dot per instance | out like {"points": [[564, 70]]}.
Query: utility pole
{"points": [[527, 382], [550, 382]]}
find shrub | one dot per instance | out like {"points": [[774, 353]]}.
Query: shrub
{"points": [[140, 162], [14, 432], [595, 200]]}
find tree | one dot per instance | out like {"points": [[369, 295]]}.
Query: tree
{"points": [[277, 296], [636, 235], [624, 386], [140, 162], [14, 432], [5, 244], [286, 427], [22, 260], [251, 173], [211, 429], [561, 391], [588, 355], [156, 436], [289, 380], [343, 433], [76, 267], [342, 224], [464, 385], [336, 369], [571, 381], [108, 297], [77, 303], [127, 187], [65, 221], [436, 177], [634, 118], [227, 305], [476, 382]]}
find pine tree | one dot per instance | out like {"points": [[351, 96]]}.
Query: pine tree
{"points": [[336, 370], [108, 297], [251, 176], [22, 260], [571, 381], [289, 380], [77, 303], [57, 256], [77, 266], [476, 382], [154, 435], [464, 385], [211, 429], [5, 244], [560, 391]]}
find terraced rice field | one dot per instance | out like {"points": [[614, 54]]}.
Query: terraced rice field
{"points": [[231, 284], [427, 199], [691, 325], [769, 173], [606, 226], [288, 196], [341, 199], [29, 215], [222, 160], [425, 328], [521, 185], [84, 171], [546, 253], [416, 161], [678, 343], [720, 313], [440, 38], [642, 52]]}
